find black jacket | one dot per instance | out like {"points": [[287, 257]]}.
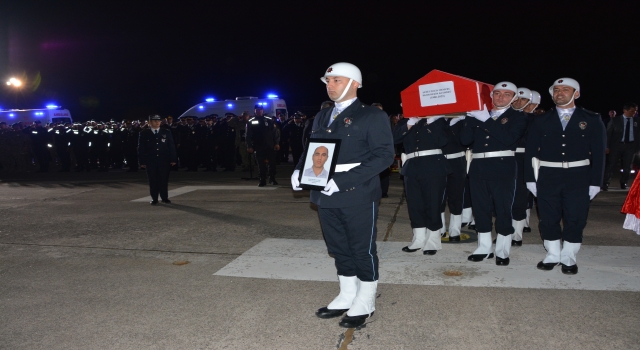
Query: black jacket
{"points": [[156, 148], [615, 131], [422, 137]]}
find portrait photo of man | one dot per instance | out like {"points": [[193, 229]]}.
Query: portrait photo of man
{"points": [[319, 158], [317, 164]]}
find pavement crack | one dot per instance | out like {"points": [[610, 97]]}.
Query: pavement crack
{"points": [[113, 248]]}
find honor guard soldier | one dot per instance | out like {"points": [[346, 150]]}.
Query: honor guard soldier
{"points": [[492, 172], [454, 152], [425, 172], [521, 199], [348, 205], [564, 162], [263, 139], [157, 153], [530, 109]]}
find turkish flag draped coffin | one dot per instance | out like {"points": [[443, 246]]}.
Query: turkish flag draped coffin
{"points": [[439, 93]]}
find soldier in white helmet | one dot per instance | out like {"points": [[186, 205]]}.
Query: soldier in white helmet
{"points": [[348, 205], [564, 160], [521, 198], [492, 172]]}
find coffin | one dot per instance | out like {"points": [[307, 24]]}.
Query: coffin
{"points": [[439, 93]]}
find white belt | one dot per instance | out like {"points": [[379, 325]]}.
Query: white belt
{"points": [[454, 155], [520, 150], [341, 168], [494, 154], [408, 156], [536, 163]]}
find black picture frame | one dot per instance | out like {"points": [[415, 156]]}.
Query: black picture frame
{"points": [[319, 181]]}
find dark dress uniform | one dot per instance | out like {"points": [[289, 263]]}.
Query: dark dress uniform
{"points": [[492, 178], [456, 180], [263, 136], [521, 200], [293, 133], [348, 217], [41, 141], [563, 183], [156, 151], [425, 176]]}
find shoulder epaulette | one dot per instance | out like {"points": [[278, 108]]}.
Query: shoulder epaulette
{"points": [[267, 117], [590, 112]]}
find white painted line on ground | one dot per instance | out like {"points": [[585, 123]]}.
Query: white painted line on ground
{"points": [[600, 267], [187, 189]]}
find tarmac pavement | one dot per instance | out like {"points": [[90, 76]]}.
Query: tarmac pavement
{"points": [[87, 263]]}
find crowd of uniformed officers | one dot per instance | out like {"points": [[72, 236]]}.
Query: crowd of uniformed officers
{"points": [[210, 143]]}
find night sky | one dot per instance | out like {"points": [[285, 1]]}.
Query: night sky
{"points": [[113, 59]]}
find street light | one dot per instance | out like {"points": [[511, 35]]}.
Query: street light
{"points": [[15, 82]]}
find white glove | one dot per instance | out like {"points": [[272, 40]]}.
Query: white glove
{"points": [[433, 119], [455, 120], [295, 183], [330, 188], [531, 186], [482, 115], [593, 191], [413, 121]]}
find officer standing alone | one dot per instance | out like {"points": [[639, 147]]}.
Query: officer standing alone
{"points": [[157, 153], [567, 145], [348, 205], [263, 138]]}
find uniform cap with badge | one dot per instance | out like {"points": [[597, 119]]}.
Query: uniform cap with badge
{"points": [[155, 117]]}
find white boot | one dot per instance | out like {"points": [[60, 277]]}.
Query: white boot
{"points": [[419, 238], [455, 223], [348, 291], [568, 254], [518, 226], [503, 246], [484, 243], [526, 221], [553, 252], [443, 229], [467, 215], [365, 301], [433, 241]]}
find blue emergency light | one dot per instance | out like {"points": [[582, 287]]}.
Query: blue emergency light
{"points": [[210, 99], [229, 105], [52, 106], [272, 96]]}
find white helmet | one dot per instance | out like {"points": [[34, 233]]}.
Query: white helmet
{"points": [[343, 69], [506, 85], [523, 92], [535, 97], [565, 81]]}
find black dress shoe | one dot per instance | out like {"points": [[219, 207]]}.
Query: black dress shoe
{"points": [[329, 313], [463, 224], [454, 239], [153, 202], [517, 243], [526, 229], [262, 184], [569, 270], [502, 262], [622, 187], [604, 188], [430, 252], [166, 201], [546, 266], [409, 250], [273, 182], [354, 321], [480, 257], [472, 227]]}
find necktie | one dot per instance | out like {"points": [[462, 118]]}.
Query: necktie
{"points": [[155, 132], [565, 120], [627, 130]]}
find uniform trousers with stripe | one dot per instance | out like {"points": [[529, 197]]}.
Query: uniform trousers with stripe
{"points": [[489, 197], [521, 200], [425, 197], [350, 234], [563, 195]]}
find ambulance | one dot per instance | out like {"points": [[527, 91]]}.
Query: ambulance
{"points": [[273, 106], [51, 114]]}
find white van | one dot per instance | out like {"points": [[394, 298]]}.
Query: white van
{"points": [[272, 107], [28, 116]]}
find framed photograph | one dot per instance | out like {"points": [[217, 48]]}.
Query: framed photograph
{"points": [[319, 163]]}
